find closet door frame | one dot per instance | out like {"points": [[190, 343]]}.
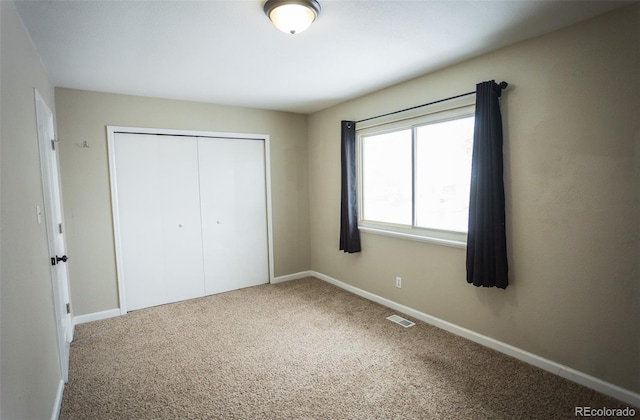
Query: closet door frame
{"points": [[111, 133]]}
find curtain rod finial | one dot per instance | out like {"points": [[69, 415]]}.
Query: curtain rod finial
{"points": [[503, 85]]}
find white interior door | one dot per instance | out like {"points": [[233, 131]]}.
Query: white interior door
{"points": [[159, 226], [234, 213], [55, 230]]}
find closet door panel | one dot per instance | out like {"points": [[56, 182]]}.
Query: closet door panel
{"points": [[181, 224], [234, 216], [159, 218], [139, 236]]}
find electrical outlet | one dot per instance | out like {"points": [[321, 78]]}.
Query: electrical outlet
{"points": [[399, 282]]}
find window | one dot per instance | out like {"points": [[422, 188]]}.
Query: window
{"points": [[415, 177]]}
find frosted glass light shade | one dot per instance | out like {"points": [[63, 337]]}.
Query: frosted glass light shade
{"points": [[293, 16]]}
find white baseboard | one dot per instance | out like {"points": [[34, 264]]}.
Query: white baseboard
{"points": [[294, 276], [566, 372], [96, 316], [57, 404]]}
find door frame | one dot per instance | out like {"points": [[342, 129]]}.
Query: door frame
{"points": [[113, 130], [54, 215]]}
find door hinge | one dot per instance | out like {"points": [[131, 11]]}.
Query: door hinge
{"points": [[53, 144], [68, 308], [60, 228]]}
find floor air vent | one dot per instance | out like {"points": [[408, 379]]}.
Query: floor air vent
{"points": [[401, 321]]}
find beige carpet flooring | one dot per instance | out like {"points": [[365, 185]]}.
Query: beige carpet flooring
{"points": [[302, 349]]}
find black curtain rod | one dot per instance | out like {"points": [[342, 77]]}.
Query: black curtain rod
{"points": [[502, 85]]}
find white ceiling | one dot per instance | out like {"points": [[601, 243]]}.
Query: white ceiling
{"points": [[228, 52]]}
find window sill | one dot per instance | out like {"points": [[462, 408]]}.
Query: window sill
{"points": [[413, 237]]}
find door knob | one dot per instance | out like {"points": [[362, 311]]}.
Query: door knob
{"points": [[63, 259]]}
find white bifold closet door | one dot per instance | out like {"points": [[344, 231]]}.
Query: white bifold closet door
{"points": [[159, 217], [192, 216], [234, 213]]}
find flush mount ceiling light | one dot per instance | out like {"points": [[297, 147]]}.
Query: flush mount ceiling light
{"points": [[292, 16]]}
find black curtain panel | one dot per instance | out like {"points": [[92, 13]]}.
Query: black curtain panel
{"points": [[487, 243], [349, 233]]}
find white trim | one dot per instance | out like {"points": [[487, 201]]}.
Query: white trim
{"points": [[112, 130], [57, 404], [96, 316], [294, 276], [431, 112], [267, 173], [419, 238], [54, 214], [116, 218], [563, 371]]}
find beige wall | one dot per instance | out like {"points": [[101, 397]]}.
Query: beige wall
{"points": [[572, 129], [29, 367], [83, 116]]}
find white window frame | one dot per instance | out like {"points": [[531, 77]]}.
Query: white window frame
{"points": [[442, 237]]}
